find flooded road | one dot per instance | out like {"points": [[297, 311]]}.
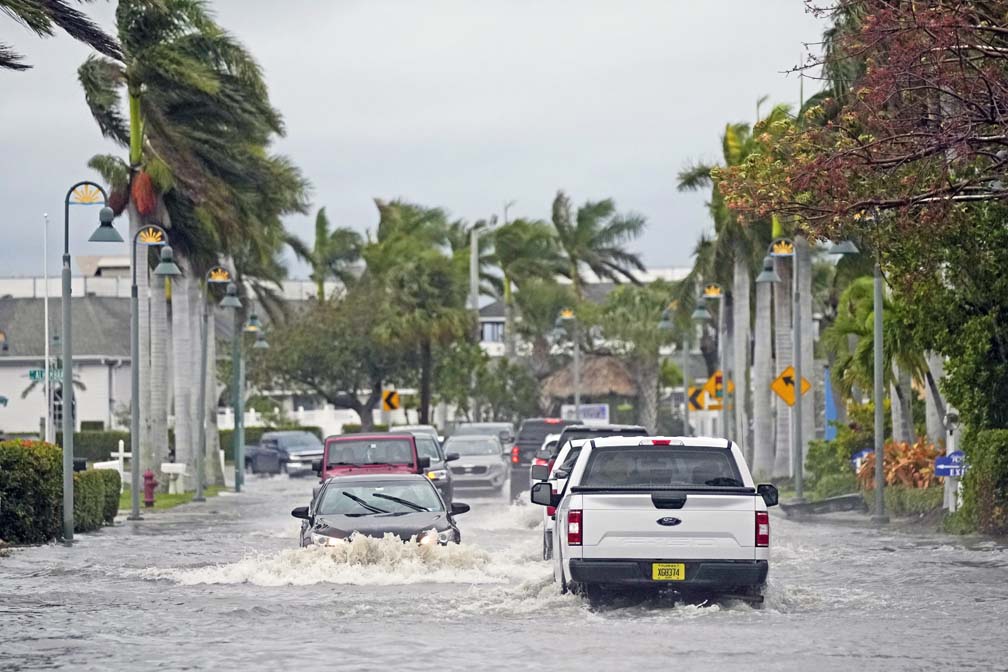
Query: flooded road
{"points": [[222, 585]]}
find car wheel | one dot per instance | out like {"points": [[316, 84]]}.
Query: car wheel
{"points": [[593, 592], [248, 467]]}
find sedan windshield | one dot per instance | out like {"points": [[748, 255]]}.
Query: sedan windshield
{"points": [[371, 498], [467, 446], [371, 451]]}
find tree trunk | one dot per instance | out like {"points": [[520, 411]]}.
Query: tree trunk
{"points": [[935, 421], [159, 375], [899, 406], [181, 370], [426, 364], [143, 318], [196, 303], [783, 357], [741, 313], [646, 377], [763, 375], [212, 461], [809, 406]]}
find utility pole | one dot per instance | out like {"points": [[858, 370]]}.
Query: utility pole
{"points": [[796, 433]]}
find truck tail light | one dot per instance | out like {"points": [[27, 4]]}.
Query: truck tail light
{"points": [[551, 510], [538, 462], [574, 530], [762, 528], [515, 458]]}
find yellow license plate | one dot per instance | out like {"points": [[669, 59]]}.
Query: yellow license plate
{"points": [[668, 571]]}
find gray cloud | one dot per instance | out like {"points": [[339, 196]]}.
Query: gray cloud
{"points": [[461, 104]]}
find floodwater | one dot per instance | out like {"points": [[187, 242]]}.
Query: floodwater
{"points": [[222, 585]]}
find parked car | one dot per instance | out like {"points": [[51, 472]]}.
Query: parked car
{"points": [[569, 444], [430, 430], [528, 442], [481, 464], [405, 505], [504, 430], [370, 454], [661, 513], [294, 452], [429, 447]]}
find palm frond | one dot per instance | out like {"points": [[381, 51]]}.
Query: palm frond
{"points": [[101, 80], [10, 59], [694, 176]]}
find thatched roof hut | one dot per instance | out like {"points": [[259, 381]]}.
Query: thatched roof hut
{"points": [[601, 376]]}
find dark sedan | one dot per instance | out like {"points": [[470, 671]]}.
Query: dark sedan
{"points": [[407, 506]]}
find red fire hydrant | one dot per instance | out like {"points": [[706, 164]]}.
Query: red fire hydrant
{"points": [[149, 484]]}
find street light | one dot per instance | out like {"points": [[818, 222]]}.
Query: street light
{"points": [[768, 274], [700, 315], [567, 315], [260, 343], [216, 275], [845, 248], [82, 193], [231, 301], [713, 291], [150, 236], [666, 325]]}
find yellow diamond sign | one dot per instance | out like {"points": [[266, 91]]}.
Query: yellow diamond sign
{"points": [[784, 386]]}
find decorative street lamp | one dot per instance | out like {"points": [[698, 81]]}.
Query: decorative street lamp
{"points": [[216, 275], [567, 315], [231, 300], [82, 193], [151, 235], [768, 274]]}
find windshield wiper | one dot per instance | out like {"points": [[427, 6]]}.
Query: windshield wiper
{"points": [[399, 500], [373, 509], [345, 464], [724, 481]]}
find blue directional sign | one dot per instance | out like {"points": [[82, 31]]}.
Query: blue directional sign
{"points": [[951, 465]]}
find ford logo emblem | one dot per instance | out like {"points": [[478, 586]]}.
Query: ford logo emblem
{"points": [[669, 522]]}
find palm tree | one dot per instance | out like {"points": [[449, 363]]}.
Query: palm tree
{"points": [[523, 250], [594, 239], [332, 254], [197, 128], [42, 17]]}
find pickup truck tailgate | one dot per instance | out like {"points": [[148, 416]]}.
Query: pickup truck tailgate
{"points": [[631, 525]]}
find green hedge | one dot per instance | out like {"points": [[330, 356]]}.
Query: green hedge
{"points": [[98, 446], [901, 501], [31, 478], [113, 488], [985, 485], [89, 500], [253, 434]]}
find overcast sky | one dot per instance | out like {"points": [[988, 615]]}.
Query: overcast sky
{"points": [[464, 104]]}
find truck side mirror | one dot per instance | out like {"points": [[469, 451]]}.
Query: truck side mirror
{"points": [[540, 472], [542, 494], [769, 493]]}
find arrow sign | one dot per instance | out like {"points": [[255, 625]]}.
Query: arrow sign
{"points": [[714, 387], [390, 400], [784, 386], [697, 399]]}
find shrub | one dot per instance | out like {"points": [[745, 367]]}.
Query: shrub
{"points": [[904, 501], [910, 466], [89, 500], [985, 484], [30, 491], [96, 446], [92, 426], [113, 487]]}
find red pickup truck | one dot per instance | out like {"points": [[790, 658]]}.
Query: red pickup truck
{"points": [[366, 454]]}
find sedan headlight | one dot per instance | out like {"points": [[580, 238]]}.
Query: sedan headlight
{"points": [[446, 537], [324, 539], [437, 474], [428, 538]]}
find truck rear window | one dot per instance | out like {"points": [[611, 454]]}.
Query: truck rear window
{"points": [[661, 466], [391, 451]]}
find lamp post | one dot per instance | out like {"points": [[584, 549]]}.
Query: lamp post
{"points": [[700, 315], [82, 193], [567, 315], [151, 236], [713, 291], [254, 326], [216, 275]]}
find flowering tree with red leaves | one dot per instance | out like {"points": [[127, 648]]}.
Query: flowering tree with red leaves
{"points": [[923, 130]]}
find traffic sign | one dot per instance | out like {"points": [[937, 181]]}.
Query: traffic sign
{"points": [[697, 399], [953, 464], [714, 387], [390, 400], [784, 386]]}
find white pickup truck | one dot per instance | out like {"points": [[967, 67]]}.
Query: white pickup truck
{"points": [[661, 512]]}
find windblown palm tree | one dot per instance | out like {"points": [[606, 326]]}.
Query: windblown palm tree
{"points": [[198, 125], [332, 255], [42, 17], [524, 250], [594, 239]]}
